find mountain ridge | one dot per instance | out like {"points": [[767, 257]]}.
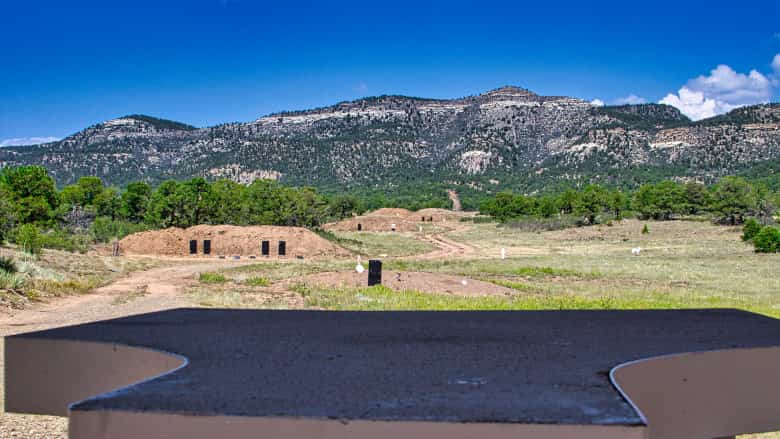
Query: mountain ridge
{"points": [[509, 137]]}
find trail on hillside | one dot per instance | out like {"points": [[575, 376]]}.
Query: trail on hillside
{"points": [[453, 195]]}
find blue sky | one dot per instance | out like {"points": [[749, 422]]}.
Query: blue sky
{"points": [[65, 65]]}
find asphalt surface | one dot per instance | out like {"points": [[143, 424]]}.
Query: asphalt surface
{"points": [[547, 367]]}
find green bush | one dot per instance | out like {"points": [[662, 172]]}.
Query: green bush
{"points": [[645, 230], [212, 278], [8, 265], [28, 237], [767, 240], [538, 224], [258, 281], [105, 229], [751, 229], [60, 239], [11, 281]]}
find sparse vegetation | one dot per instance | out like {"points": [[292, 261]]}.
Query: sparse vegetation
{"points": [[11, 281], [381, 298], [257, 281], [382, 244], [549, 271], [212, 278]]}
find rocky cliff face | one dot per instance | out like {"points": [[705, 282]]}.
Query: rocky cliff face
{"points": [[506, 135]]}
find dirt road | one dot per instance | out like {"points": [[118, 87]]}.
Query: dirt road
{"points": [[456, 206], [446, 248], [140, 292]]}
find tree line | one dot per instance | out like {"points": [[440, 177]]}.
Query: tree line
{"points": [[29, 196], [91, 211], [730, 201]]}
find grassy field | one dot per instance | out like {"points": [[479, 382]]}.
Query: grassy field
{"points": [[383, 244], [682, 265]]}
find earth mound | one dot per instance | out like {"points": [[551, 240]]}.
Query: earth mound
{"points": [[226, 240], [390, 212], [390, 219]]}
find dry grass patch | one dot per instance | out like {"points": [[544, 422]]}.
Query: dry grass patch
{"points": [[58, 273], [377, 244], [238, 296]]}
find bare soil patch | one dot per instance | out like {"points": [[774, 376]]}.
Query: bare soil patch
{"points": [[433, 283]]}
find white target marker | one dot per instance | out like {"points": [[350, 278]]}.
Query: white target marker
{"points": [[359, 267]]}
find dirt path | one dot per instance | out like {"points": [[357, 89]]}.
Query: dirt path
{"points": [[456, 206], [143, 291], [446, 247], [140, 292]]}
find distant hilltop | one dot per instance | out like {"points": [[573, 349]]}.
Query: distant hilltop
{"points": [[507, 137]]}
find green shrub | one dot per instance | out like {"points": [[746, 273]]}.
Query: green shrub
{"points": [[539, 224], [478, 219], [66, 287], [212, 278], [60, 239], [8, 265], [332, 237], [28, 237], [258, 281], [645, 230], [104, 229], [751, 229], [550, 271], [11, 281], [767, 240]]}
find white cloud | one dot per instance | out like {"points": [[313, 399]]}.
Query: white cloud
{"points": [[724, 84], [721, 91], [694, 105], [776, 64], [21, 141], [631, 99], [361, 87], [597, 103]]}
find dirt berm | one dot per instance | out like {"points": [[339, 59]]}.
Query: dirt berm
{"points": [[394, 220], [228, 240]]}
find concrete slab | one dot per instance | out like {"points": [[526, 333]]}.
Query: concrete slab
{"points": [[529, 367]]}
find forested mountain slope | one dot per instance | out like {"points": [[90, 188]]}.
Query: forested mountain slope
{"points": [[506, 138]]}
